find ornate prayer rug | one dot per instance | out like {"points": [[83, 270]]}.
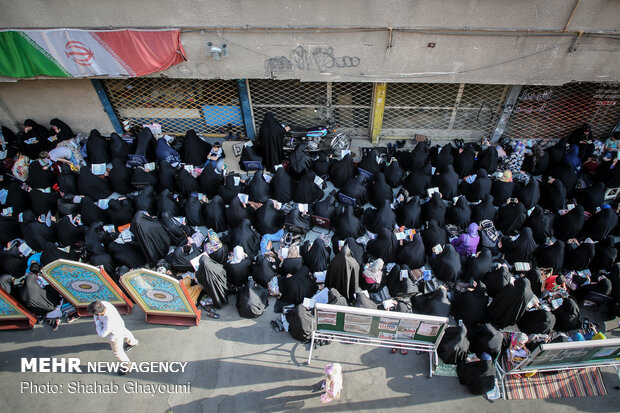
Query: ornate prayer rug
{"points": [[162, 298], [13, 315], [82, 284]]}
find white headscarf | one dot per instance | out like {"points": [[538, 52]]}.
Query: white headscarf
{"points": [[238, 255]]}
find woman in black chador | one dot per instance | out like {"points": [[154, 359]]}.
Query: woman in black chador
{"points": [[212, 276], [315, 256], [409, 214], [356, 188], [151, 236], [343, 274], [434, 234], [447, 181], [383, 217], [97, 148], [194, 150], [341, 171], [271, 140], [521, 249], [569, 225], [380, 191], [412, 253], [385, 246], [258, 188], [447, 265], [418, 181], [435, 209], [479, 188], [510, 303], [213, 212], [282, 186], [484, 210]]}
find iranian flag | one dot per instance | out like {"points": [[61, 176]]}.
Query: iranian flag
{"points": [[80, 53]]}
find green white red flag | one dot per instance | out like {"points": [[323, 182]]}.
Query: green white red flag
{"points": [[83, 53]]}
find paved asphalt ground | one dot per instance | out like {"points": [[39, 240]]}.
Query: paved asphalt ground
{"points": [[242, 365]]}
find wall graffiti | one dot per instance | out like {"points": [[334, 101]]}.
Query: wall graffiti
{"points": [[278, 64], [301, 57], [533, 102], [325, 59], [322, 58]]}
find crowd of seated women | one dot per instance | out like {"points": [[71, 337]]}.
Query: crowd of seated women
{"points": [[511, 237]]}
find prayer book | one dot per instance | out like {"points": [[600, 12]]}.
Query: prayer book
{"points": [[322, 296], [196, 261], [103, 203], [25, 249], [308, 302], [431, 191], [471, 178], [522, 266], [320, 276], [98, 168]]}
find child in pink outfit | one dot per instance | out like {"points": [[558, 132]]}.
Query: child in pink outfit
{"points": [[333, 383]]}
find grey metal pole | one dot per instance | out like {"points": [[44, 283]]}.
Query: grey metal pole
{"points": [[509, 104]]}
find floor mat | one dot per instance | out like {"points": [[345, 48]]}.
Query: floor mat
{"points": [[81, 284], [554, 385], [162, 298], [445, 370]]}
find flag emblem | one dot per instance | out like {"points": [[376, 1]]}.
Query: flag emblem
{"points": [[79, 53]]}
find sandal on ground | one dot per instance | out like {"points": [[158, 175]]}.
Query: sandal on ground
{"points": [[54, 323], [211, 313], [280, 325], [277, 326]]}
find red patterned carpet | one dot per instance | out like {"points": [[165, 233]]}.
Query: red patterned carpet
{"points": [[553, 385]]}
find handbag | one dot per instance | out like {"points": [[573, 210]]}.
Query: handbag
{"points": [[430, 285]]}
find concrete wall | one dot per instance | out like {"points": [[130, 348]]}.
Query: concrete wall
{"points": [[363, 57], [357, 47], [73, 101], [540, 14]]}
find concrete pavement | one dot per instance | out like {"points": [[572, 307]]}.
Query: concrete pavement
{"points": [[242, 365]]}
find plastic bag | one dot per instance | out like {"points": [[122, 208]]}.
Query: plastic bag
{"points": [[273, 287], [20, 168]]}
